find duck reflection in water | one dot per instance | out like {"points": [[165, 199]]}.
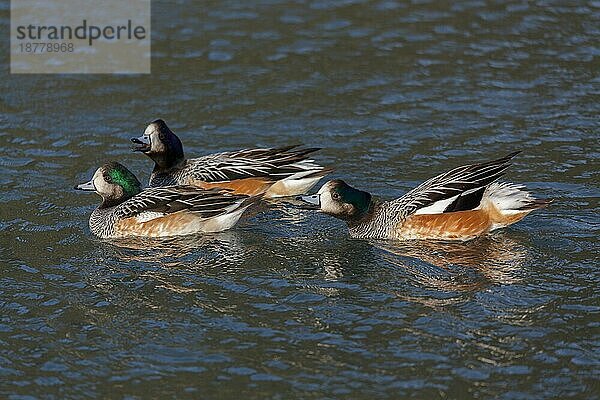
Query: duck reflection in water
{"points": [[461, 267], [206, 249]]}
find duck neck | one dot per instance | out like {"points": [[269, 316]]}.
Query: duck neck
{"points": [[102, 221], [362, 225], [124, 193], [168, 161], [109, 203], [362, 218]]}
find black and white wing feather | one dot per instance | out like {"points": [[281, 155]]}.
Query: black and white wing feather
{"points": [[455, 190], [274, 164], [171, 199]]}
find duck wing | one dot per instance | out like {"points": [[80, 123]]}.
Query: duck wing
{"points": [[171, 199], [457, 190], [275, 164]]}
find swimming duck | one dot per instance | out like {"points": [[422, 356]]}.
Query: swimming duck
{"points": [[127, 210], [285, 171], [461, 204]]}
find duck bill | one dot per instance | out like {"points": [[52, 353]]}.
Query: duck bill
{"points": [[87, 187], [140, 144], [311, 202]]}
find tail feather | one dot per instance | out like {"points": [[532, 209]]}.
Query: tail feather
{"points": [[298, 183], [536, 204], [508, 203], [319, 173], [510, 197], [230, 218]]}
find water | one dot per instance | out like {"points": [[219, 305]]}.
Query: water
{"points": [[286, 306]]}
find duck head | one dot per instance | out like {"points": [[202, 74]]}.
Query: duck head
{"points": [[340, 200], [114, 183], [160, 144]]}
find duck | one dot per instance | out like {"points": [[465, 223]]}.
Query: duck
{"points": [[458, 205], [128, 210], [273, 172]]}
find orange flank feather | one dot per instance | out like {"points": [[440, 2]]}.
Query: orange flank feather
{"points": [[248, 186], [459, 225], [171, 224]]}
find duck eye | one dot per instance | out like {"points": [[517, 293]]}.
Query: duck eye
{"points": [[335, 196], [108, 179]]}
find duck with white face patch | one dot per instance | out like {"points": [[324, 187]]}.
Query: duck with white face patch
{"points": [[461, 204], [127, 210], [275, 172]]}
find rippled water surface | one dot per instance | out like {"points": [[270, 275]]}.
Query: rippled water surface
{"points": [[287, 306]]}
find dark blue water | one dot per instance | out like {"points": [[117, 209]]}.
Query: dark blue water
{"points": [[287, 306]]}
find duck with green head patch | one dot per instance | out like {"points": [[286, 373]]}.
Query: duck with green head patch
{"points": [[127, 210], [461, 204]]}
